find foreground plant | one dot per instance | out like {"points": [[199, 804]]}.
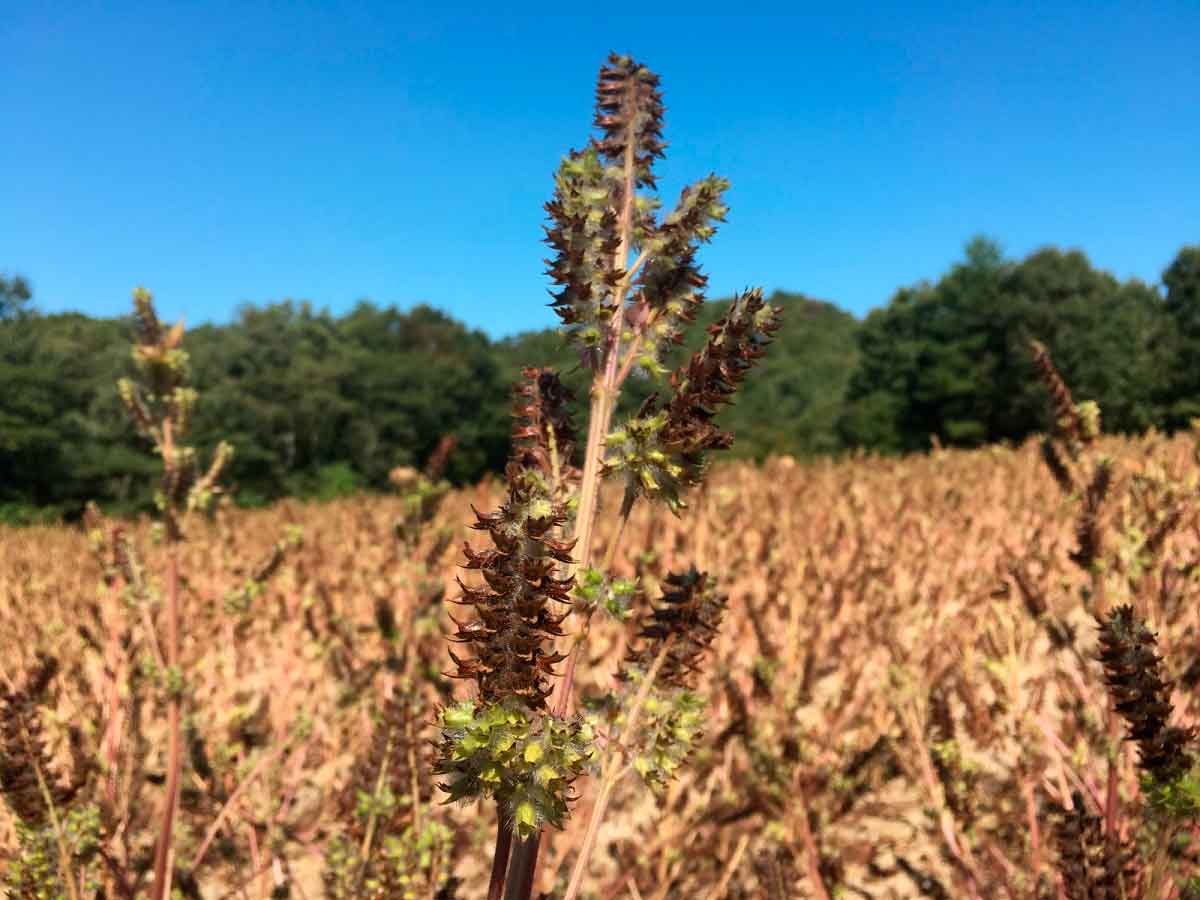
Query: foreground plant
{"points": [[1122, 528], [628, 287], [161, 404]]}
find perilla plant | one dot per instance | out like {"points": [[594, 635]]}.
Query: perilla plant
{"points": [[1121, 529], [627, 285], [161, 404], [1166, 753], [57, 843], [392, 847]]}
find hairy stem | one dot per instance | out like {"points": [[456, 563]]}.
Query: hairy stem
{"points": [[589, 488]]}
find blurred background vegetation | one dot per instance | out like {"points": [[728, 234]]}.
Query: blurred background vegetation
{"points": [[321, 406]]}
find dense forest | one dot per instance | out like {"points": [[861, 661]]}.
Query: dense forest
{"points": [[319, 406]]}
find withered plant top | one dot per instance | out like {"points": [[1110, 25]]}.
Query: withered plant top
{"points": [[599, 221]]}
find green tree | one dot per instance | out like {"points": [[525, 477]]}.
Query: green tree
{"points": [[949, 359], [15, 293], [415, 377], [1182, 283], [61, 435], [274, 384]]}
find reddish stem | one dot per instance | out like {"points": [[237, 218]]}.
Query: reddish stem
{"points": [[162, 880], [500, 859]]}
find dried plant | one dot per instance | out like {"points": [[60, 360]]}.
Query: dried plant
{"points": [[1121, 532], [878, 663], [392, 846], [628, 285], [161, 405], [57, 844]]}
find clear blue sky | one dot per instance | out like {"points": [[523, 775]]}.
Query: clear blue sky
{"points": [[225, 153]]}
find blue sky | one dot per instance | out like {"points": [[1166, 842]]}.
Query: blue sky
{"points": [[230, 153]]}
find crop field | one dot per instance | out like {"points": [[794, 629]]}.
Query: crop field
{"points": [[903, 699]]}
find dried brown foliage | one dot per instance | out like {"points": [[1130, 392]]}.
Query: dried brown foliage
{"points": [[887, 712]]}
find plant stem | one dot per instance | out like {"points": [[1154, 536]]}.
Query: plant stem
{"points": [[1111, 795], [589, 488], [162, 880], [812, 856], [563, 698], [612, 772], [227, 807], [500, 858], [593, 829], [520, 873], [719, 889], [605, 386], [415, 781], [622, 520], [364, 854], [64, 855]]}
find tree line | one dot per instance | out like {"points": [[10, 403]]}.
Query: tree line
{"points": [[320, 405]]}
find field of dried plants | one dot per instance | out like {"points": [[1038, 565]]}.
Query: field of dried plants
{"points": [[904, 697]]}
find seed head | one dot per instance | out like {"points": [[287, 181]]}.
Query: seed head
{"points": [[1141, 695], [663, 449], [514, 615]]}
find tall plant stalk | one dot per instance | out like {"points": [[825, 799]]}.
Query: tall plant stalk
{"points": [[627, 288], [161, 405]]}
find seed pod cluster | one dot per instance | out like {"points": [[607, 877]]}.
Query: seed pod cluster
{"points": [[1141, 695], [1076, 428], [583, 234], [1092, 867], [629, 114], [514, 612], [662, 450], [676, 634], [396, 763], [689, 614], [528, 763], [672, 285], [543, 435], [24, 757]]}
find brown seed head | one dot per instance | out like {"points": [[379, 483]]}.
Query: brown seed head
{"points": [[690, 610], [514, 616], [1141, 695]]}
